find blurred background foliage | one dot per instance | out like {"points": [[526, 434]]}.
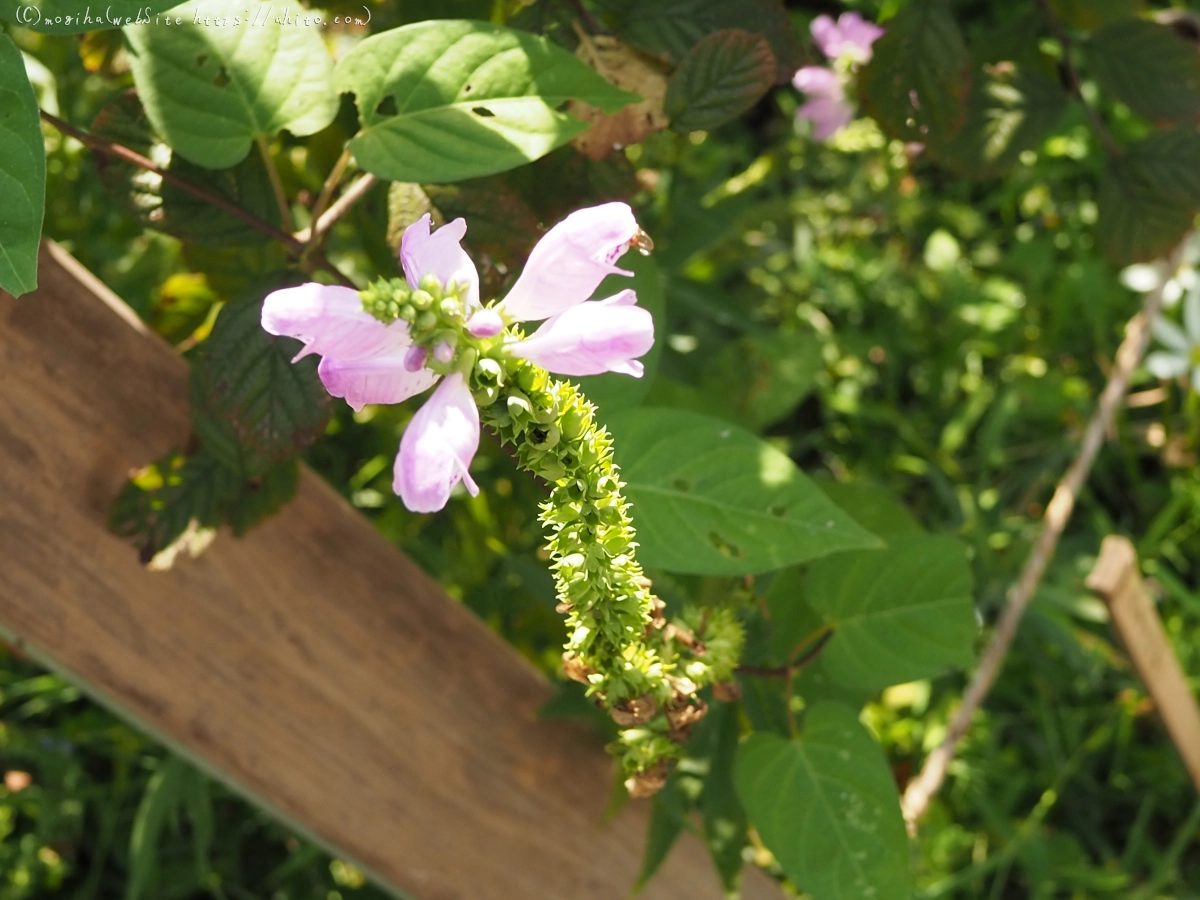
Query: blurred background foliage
{"points": [[878, 317]]}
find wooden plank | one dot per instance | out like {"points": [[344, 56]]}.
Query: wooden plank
{"points": [[311, 665], [1116, 579]]}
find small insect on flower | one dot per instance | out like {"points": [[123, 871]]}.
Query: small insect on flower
{"points": [[399, 338]]}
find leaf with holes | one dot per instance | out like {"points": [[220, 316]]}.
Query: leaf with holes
{"points": [[710, 498], [1149, 68], [447, 100], [720, 78], [1149, 197], [22, 174], [245, 377], [76, 17], [229, 74], [826, 806], [671, 28], [1011, 109], [916, 84]]}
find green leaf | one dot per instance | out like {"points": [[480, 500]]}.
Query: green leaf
{"points": [[872, 507], [78, 16], [262, 496], [917, 81], [826, 806], [722, 816], [719, 78], [898, 614], [793, 620], [157, 504], [672, 27], [447, 100], [712, 499], [228, 75], [22, 174], [160, 804], [1149, 197], [613, 391], [1149, 68], [246, 377], [1011, 109], [1091, 14]]}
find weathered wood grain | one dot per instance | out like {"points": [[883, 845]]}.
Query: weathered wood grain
{"points": [[311, 665]]}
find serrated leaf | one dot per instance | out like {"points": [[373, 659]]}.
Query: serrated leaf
{"points": [[672, 27], [75, 17], [447, 100], [230, 73], [1012, 107], [22, 174], [261, 496], [721, 77], [245, 377], [826, 806], [918, 79], [1149, 68], [1149, 197], [630, 70], [156, 506], [710, 498], [898, 614]]}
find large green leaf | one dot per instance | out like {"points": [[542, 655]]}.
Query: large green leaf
{"points": [[1012, 107], [872, 506], [22, 174], [722, 815], [711, 498], [230, 73], [76, 16], [720, 78], [447, 100], [898, 614], [246, 378], [916, 84], [1149, 68], [827, 807], [1149, 197], [613, 390]]}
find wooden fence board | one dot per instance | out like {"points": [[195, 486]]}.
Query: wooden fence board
{"points": [[311, 665]]}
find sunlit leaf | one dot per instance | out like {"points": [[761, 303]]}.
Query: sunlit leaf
{"points": [[447, 100], [826, 806]]}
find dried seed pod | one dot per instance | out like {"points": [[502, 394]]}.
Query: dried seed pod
{"points": [[727, 691], [648, 783], [682, 718], [575, 668], [638, 711]]}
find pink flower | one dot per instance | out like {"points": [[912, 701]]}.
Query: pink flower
{"points": [[437, 448], [851, 36], [827, 107], [366, 361]]}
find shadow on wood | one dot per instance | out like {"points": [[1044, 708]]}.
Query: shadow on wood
{"points": [[311, 665]]}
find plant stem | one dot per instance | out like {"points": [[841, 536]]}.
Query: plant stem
{"points": [[795, 665], [312, 235], [285, 214], [327, 189], [1137, 335], [1111, 147], [110, 148]]}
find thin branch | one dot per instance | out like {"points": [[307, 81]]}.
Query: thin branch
{"points": [[327, 189], [340, 207], [285, 212], [1137, 335], [110, 148], [1111, 147]]}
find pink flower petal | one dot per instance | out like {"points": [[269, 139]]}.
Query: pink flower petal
{"points": [[858, 35], [437, 447], [330, 321], [593, 337], [827, 36], [569, 263], [818, 81], [827, 115], [440, 254], [383, 379]]}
